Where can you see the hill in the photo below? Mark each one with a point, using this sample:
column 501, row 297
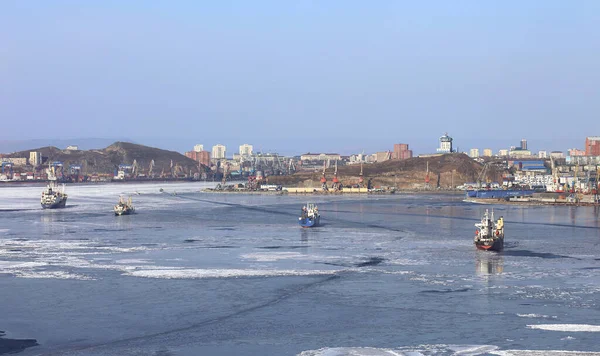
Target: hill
column 444, row 171
column 107, row 160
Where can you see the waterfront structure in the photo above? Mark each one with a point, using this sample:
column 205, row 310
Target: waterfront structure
column 218, row 151
column 35, row 158
column 198, row 148
column 445, row 144
column 474, row 152
column 401, row 151
column 592, row 146
column 542, row 154
column 246, row 150
column 487, row 152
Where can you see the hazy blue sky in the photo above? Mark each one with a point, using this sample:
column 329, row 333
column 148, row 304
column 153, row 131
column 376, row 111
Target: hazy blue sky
column 295, row 76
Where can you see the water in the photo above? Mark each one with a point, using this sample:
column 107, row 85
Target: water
column 207, row 274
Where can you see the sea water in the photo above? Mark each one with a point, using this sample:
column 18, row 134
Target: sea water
column 194, row 273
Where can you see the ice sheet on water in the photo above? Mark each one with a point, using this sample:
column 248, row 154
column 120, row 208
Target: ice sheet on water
column 194, row 273
column 543, row 353
column 566, row 327
column 536, row 316
column 421, row 350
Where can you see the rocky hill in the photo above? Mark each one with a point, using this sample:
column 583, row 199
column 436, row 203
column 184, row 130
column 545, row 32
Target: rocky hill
column 106, row 160
column 444, row 171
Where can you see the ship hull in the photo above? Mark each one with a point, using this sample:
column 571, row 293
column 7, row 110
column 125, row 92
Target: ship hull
column 496, row 245
column 309, row 222
column 119, row 212
column 56, row 205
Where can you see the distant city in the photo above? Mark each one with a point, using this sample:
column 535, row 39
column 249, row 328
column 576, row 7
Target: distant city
column 215, row 162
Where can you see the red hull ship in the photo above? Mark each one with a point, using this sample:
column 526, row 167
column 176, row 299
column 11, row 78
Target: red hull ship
column 489, row 235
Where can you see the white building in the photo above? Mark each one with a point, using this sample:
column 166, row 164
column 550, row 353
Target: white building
column 218, row 151
column 72, row 148
column 320, row 157
column 503, row 153
column 557, row 154
column 474, row 153
column 198, row 148
column 487, row 152
column 542, row 154
column 445, row 144
column 246, row 150
column 35, row 158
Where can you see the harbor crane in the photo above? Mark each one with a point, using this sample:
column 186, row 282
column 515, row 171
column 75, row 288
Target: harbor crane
column 323, row 179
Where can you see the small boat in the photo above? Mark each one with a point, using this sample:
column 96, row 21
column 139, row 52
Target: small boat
column 309, row 216
column 489, row 234
column 53, row 197
column 124, row 207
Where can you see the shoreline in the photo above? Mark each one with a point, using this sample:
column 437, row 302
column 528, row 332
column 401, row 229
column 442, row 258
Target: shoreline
column 491, row 201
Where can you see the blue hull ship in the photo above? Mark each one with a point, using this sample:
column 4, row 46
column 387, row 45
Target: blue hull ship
column 309, row 216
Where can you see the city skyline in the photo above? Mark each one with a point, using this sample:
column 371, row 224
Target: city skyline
column 156, row 72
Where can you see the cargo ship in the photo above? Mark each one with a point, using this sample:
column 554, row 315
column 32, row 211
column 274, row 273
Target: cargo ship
column 489, row 235
column 124, row 207
column 53, row 197
column 309, row 217
column 499, row 193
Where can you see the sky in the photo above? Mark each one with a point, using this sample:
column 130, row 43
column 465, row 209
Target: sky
column 296, row 76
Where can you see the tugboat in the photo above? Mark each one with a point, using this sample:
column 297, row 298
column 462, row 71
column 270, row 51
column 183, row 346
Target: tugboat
column 489, row 234
column 124, row 207
column 309, row 216
column 53, row 198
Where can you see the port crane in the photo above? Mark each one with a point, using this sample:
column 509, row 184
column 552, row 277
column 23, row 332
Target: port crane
column 323, row 179
column 7, row 166
column 336, row 182
column 150, row 169
column 361, row 179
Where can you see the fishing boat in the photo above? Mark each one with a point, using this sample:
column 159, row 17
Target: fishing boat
column 489, row 234
column 309, row 217
column 124, row 207
column 53, row 197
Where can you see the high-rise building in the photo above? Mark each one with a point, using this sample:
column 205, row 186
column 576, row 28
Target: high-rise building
column 503, row 153
column 523, row 144
column 246, row 150
column 199, row 156
column 592, row 146
column 474, row 152
column 35, row 158
column 487, row 152
column 542, row 154
column 401, row 151
column 445, row 144
column 198, row 148
column 218, row 151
